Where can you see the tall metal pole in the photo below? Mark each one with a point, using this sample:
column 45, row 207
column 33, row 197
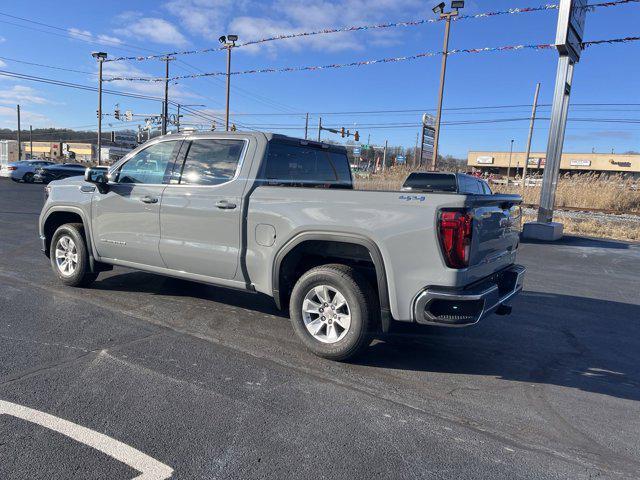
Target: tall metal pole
column 31, row 141
column 528, row 149
column 306, row 127
column 226, row 118
column 19, row 135
column 421, row 145
column 165, row 106
column 415, row 151
column 319, row 128
column 100, row 56
column 559, row 111
column 509, row 167
column 178, row 120
column 384, row 156
column 443, row 71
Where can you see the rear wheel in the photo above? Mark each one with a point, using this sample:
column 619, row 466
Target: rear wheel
column 28, row 177
column 70, row 257
column 331, row 309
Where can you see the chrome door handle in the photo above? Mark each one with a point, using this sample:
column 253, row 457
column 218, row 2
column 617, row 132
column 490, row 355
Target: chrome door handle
column 149, row 199
column 225, row 205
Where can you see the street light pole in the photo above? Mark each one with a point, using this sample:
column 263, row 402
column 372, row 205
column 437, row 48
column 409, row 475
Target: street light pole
column 100, row 56
column 447, row 17
column 165, row 106
column 19, row 135
column 228, row 42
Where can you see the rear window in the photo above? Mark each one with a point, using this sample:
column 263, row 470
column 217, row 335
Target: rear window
column 431, row 182
column 305, row 166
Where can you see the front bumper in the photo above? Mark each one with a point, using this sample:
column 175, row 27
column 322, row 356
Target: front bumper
column 448, row 307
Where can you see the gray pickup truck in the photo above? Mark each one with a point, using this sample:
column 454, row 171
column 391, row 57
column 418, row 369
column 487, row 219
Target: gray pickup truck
column 276, row 215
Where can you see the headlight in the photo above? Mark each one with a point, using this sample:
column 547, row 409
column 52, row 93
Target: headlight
column 47, row 191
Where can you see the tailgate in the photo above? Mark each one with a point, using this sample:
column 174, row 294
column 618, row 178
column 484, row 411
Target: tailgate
column 496, row 230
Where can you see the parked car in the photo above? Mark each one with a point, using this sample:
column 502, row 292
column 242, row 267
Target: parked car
column 24, row 170
column 446, row 182
column 276, row 215
column 58, row 171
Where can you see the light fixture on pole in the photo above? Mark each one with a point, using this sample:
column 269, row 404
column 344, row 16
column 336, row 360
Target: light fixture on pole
column 177, row 122
column 228, row 42
column 447, row 16
column 100, row 57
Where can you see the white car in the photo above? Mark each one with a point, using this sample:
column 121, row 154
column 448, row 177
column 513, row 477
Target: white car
column 23, row 170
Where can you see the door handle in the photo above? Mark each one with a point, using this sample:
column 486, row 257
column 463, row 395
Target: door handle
column 225, row 205
column 149, row 199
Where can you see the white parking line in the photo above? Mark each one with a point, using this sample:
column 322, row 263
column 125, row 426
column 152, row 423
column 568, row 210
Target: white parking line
column 149, row 468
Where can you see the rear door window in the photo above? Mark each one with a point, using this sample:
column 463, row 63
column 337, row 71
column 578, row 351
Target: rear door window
column 211, row 162
column 304, row 166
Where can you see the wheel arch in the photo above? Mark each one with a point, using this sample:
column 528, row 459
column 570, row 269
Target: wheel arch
column 56, row 217
column 298, row 242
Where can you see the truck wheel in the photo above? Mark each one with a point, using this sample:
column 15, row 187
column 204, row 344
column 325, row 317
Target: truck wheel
column 331, row 310
column 69, row 256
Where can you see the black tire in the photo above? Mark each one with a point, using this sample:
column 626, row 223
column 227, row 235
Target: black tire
column 28, row 177
column 361, row 300
column 81, row 276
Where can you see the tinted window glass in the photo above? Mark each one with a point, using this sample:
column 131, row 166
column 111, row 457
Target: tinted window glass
column 211, row 162
column 431, row 182
column 304, row 166
column 470, row 185
column 149, row 165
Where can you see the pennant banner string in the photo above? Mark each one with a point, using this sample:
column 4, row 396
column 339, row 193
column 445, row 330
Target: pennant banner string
column 544, row 46
column 410, row 23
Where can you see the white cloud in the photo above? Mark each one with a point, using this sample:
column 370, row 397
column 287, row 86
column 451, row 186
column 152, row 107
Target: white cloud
column 252, row 21
column 156, row 89
column 8, row 118
column 86, row 35
column 2, row 39
column 2, row 64
column 156, row 30
column 20, row 94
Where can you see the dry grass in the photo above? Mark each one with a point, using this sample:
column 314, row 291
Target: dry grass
column 596, row 228
column 585, row 191
column 616, row 193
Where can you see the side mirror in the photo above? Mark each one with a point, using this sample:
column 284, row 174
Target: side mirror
column 99, row 177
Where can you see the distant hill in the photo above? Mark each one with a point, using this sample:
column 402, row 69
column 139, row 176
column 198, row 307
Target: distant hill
column 56, row 135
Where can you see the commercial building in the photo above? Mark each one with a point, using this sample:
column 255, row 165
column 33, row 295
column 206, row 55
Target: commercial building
column 604, row 163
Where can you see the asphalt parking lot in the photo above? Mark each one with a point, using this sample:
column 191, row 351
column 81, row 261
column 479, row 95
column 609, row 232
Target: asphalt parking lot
column 148, row 377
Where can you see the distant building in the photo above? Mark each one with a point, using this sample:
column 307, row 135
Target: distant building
column 608, row 163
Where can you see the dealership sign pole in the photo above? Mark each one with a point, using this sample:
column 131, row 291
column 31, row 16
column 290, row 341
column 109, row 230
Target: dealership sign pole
column 571, row 19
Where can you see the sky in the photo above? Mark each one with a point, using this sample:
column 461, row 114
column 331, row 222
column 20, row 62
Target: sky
column 63, row 35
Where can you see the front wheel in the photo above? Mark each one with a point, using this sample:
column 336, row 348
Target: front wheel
column 332, row 308
column 70, row 257
column 28, row 177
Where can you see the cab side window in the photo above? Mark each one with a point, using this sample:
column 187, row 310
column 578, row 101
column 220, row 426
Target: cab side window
column 149, row 165
column 211, row 162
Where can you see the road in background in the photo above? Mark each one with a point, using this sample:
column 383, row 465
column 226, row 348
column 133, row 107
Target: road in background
column 213, row 383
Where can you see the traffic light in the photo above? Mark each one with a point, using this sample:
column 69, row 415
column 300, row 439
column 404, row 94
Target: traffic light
column 356, row 136
column 116, row 113
column 342, row 132
column 233, row 127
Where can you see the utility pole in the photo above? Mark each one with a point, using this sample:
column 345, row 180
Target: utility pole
column 509, row 167
column 384, row 155
column 439, row 9
column 528, row 149
column 178, row 120
column 165, row 105
column 415, row 151
column 228, row 42
column 31, row 141
column 19, row 135
column 319, row 127
column 306, row 126
column 100, row 57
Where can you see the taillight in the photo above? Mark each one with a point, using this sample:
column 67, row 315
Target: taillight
column 455, row 229
column 12, row 168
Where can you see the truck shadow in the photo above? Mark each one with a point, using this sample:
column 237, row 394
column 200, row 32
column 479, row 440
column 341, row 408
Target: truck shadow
column 587, row 344
column 142, row 282
column 574, row 241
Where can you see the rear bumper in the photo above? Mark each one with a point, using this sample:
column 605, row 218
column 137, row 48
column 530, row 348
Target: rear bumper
column 448, row 307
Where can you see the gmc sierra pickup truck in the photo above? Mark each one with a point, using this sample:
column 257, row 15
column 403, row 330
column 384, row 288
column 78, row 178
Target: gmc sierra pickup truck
column 276, row 215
